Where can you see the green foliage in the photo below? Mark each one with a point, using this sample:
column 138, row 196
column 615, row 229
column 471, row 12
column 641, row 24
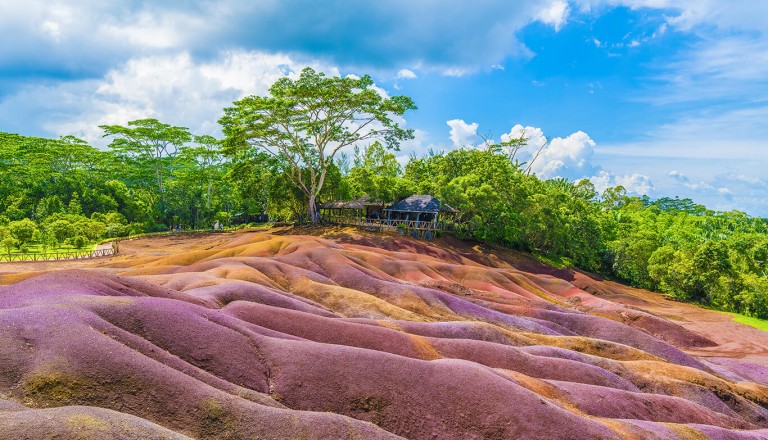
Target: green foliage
column 304, row 123
column 8, row 244
column 147, row 141
column 375, row 173
column 79, row 241
column 22, row 230
column 61, row 230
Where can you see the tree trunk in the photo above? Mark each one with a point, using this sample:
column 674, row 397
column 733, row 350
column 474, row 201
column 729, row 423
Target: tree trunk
column 312, row 214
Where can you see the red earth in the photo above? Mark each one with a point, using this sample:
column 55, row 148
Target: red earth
column 336, row 333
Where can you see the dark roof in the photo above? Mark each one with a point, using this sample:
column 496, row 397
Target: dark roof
column 420, row 203
column 360, row 203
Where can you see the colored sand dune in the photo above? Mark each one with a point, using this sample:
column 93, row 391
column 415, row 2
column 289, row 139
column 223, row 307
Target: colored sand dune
column 264, row 335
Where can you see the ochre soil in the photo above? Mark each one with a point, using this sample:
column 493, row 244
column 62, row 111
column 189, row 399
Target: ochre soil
column 338, row 333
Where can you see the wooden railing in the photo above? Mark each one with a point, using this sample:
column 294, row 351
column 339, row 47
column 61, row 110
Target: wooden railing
column 55, row 256
column 408, row 225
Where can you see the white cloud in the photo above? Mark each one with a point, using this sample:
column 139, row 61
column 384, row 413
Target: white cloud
column 566, row 157
column 175, row 89
column 456, row 72
column 554, row 14
column 534, row 135
column 52, row 29
column 406, row 74
column 677, row 175
column 726, row 68
column 571, row 157
column 463, row 134
column 456, row 40
column 637, row 184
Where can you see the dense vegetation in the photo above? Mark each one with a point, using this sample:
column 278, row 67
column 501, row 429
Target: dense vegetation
column 154, row 176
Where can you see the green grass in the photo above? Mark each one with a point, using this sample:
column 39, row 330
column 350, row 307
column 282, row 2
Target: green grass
column 760, row 324
column 37, row 249
column 558, row 262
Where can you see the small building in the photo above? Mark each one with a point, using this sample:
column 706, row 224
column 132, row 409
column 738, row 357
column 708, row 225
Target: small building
column 352, row 211
column 420, row 215
column 421, row 212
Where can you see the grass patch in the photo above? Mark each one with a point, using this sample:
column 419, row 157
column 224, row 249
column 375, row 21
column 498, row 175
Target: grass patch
column 760, row 324
column 38, row 249
column 555, row 261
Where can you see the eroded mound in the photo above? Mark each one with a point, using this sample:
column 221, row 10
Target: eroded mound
column 279, row 336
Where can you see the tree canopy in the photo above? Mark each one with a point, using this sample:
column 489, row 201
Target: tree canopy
column 304, row 123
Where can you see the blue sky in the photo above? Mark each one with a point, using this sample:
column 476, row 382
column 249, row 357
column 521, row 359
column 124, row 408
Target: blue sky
column 665, row 97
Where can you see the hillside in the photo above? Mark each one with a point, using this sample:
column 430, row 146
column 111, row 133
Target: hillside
column 345, row 334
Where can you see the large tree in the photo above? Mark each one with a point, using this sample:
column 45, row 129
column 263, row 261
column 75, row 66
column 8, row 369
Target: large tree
column 149, row 141
column 305, row 122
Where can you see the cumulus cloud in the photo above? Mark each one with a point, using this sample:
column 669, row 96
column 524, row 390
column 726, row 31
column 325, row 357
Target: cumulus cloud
column 686, row 182
column 565, row 157
column 571, row 157
column 461, row 38
column 677, row 175
column 716, row 186
column 406, row 74
column 534, row 136
column 175, row 89
column 568, row 157
column 635, row 183
column 463, row 134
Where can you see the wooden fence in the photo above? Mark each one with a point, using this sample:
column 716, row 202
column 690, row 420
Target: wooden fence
column 55, row 256
column 407, row 225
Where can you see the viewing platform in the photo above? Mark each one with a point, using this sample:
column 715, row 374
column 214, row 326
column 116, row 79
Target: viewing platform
column 418, row 215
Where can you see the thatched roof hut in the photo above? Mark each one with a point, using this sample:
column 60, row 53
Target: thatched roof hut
column 422, row 203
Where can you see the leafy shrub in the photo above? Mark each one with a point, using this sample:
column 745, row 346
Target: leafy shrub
column 62, row 230
column 79, row 241
column 23, row 230
column 114, row 230
column 159, row 227
column 8, row 244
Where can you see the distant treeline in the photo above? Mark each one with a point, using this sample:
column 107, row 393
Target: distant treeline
column 155, row 176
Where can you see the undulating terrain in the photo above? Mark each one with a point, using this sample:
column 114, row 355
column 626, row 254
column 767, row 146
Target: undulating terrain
column 344, row 334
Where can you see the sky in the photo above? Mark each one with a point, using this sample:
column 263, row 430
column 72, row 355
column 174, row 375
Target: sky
column 664, row 97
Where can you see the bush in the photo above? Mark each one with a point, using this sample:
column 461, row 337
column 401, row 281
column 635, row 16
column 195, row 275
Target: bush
column 62, row 230
column 159, row 227
column 23, row 230
column 8, row 244
column 93, row 230
column 79, row 241
column 115, row 230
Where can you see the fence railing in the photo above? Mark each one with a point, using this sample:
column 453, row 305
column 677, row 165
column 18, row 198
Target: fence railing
column 55, row 256
column 408, row 225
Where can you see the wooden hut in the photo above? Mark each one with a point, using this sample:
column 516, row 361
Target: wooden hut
column 352, row 211
column 419, row 212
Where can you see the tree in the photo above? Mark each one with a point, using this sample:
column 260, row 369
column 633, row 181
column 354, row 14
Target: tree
column 375, row 172
column 305, row 122
column 62, row 230
column 148, row 140
column 9, row 244
column 23, row 230
column 74, row 207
